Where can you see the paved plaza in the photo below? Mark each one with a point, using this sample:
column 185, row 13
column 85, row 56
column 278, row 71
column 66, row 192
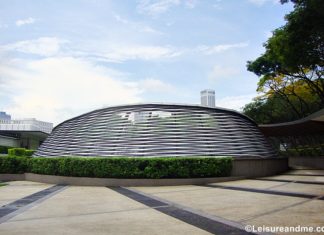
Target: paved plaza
column 291, row 199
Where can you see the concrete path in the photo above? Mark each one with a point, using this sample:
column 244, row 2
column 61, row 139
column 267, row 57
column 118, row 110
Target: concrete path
column 19, row 189
column 220, row 208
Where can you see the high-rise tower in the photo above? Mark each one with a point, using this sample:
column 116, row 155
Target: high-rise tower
column 207, row 98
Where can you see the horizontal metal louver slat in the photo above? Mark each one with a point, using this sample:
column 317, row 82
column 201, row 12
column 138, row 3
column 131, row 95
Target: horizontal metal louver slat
column 157, row 130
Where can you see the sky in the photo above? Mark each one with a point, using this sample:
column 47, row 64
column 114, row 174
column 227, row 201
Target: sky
column 59, row 59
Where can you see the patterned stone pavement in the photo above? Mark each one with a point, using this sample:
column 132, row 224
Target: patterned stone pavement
column 291, row 199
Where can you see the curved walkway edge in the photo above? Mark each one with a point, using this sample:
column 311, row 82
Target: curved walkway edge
column 86, row 181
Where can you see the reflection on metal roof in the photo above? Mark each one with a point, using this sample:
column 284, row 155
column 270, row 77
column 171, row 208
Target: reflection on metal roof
column 157, row 130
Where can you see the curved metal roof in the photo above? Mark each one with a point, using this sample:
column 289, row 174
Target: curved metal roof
column 156, row 129
column 312, row 124
column 162, row 104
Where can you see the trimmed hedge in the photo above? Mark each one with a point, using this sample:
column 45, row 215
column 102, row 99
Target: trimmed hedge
column 17, row 152
column 13, row 165
column 310, row 151
column 21, row 152
column 29, row 152
column 120, row 167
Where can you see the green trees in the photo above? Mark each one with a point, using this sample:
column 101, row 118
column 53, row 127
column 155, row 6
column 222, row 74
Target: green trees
column 291, row 102
column 291, row 69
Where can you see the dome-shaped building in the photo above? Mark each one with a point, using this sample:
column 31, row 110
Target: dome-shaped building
column 157, row 130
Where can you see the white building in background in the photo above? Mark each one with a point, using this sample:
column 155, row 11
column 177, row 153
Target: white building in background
column 26, row 133
column 207, row 98
column 27, row 124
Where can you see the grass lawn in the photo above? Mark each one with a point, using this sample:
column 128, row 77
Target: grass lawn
column 2, row 184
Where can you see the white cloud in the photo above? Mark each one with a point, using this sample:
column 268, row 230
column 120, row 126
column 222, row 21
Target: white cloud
column 258, row 2
column 120, row 19
column 262, row 2
column 148, row 29
column 157, row 7
column 111, row 52
column 234, row 102
column 55, row 89
column 208, row 50
column 119, row 53
column 154, row 8
column 138, row 26
column 220, row 72
column 45, row 46
column 22, row 22
column 155, row 85
column 132, row 52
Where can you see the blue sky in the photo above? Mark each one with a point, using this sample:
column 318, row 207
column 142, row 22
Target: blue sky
column 59, row 59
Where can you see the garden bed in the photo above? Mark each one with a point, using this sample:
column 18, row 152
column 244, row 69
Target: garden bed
column 130, row 168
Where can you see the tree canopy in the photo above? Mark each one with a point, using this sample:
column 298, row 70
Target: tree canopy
column 282, row 106
column 294, row 59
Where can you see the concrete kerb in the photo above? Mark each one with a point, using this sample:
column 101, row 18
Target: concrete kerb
column 259, row 167
column 12, row 177
column 307, row 161
column 112, row 182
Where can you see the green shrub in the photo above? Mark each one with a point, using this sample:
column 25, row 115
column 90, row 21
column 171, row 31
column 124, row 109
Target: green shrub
column 13, row 165
column 120, row 167
column 303, row 151
column 17, row 152
column 22, row 152
column 45, row 166
column 29, row 152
